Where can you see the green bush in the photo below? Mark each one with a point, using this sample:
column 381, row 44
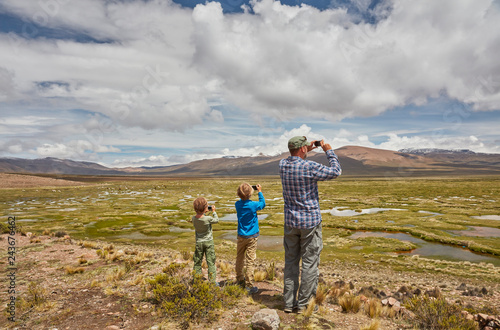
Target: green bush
column 438, row 314
column 186, row 300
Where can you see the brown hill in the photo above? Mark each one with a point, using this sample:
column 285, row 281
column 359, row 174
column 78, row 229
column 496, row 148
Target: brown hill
column 355, row 161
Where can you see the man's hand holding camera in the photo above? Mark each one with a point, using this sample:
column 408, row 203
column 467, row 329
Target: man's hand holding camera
column 322, row 144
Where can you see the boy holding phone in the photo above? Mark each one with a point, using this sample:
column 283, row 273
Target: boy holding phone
column 248, row 233
column 204, row 238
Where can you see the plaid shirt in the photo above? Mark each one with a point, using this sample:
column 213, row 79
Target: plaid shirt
column 299, row 178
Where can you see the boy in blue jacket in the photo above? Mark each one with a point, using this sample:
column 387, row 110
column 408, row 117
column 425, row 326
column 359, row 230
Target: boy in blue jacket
column 248, row 233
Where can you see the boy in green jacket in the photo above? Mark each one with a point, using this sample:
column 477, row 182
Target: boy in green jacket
column 204, row 238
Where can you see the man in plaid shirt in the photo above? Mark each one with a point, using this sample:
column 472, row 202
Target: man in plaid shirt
column 303, row 237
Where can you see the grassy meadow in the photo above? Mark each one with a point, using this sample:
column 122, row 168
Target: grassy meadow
column 158, row 212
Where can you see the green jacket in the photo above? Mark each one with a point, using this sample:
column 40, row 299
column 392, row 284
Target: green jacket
column 203, row 227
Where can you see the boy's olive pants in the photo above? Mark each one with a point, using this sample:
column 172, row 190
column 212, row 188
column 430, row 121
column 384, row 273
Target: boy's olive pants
column 205, row 248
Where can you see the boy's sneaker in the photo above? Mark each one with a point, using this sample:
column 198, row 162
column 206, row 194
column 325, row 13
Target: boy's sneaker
column 252, row 290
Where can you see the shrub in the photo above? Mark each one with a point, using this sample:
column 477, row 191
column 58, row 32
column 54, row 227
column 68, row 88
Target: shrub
column 60, row 234
column 350, row 303
column 36, row 294
column 187, row 301
column 438, row 314
column 173, row 268
column 234, row 291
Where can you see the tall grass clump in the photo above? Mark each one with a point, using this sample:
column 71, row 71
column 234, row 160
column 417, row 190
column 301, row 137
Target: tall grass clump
column 271, row 271
column 374, row 308
column 321, row 294
column 350, row 303
column 374, row 325
column 259, row 275
column 438, row 314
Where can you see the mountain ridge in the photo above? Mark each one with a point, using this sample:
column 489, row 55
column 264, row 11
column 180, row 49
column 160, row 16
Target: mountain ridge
column 355, row 161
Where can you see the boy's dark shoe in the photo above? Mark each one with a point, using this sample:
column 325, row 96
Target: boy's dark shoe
column 252, row 290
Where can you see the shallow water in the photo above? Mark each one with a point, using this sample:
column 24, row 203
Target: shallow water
column 140, row 236
column 234, row 217
column 432, row 250
column 487, row 217
column 339, row 212
column 477, row 231
column 174, row 229
column 264, row 243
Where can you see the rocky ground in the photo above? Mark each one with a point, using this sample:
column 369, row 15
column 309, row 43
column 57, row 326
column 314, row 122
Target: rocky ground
column 61, row 283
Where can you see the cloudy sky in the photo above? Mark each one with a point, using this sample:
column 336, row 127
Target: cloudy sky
column 160, row 82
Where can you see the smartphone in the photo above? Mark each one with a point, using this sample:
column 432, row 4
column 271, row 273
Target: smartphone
column 210, row 207
column 254, row 187
column 317, row 143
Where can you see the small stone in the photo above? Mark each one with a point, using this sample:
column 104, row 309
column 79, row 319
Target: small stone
column 385, row 302
column 266, row 319
column 392, row 301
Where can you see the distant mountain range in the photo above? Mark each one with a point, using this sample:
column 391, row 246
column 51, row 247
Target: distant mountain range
column 355, row 161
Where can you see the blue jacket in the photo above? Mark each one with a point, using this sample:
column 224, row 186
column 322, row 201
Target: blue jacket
column 248, row 224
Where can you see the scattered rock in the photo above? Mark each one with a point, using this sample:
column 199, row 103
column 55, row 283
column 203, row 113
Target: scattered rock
column 266, row 319
column 435, row 293
column 392, row 301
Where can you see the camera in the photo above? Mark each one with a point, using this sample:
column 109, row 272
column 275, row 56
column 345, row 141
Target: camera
column 210, row 207
column 317, row 143
column 254, row 187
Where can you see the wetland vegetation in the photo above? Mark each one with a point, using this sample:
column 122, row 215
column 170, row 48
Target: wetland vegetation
column 441, row 210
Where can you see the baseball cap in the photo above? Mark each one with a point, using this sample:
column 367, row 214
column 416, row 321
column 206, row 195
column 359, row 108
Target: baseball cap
column 297, row 142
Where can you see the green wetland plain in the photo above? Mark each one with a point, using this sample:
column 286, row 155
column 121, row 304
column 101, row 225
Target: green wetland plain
column 448, row 219
column 377, row 232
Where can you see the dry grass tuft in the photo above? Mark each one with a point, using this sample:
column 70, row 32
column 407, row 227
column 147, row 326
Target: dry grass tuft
column 321, row 294
column 373, row 308
column 259, row 275
column 350, row 303
column 271, row 271
column 186, row 255
column 89, row 245
column 225, row 268
column 374, row 325
column 116, row 275
column 310, row 308
column 70, row 270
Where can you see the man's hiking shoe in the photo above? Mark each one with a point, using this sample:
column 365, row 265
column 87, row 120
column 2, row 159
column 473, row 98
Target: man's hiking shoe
column 303, row 309
column 288, row 310
column 252, row 290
